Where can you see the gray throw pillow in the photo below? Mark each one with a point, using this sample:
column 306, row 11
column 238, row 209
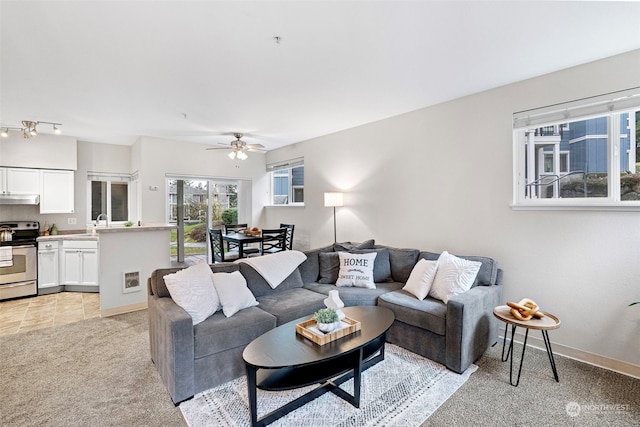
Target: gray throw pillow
column 381, row 265
column 348, row 246
column 329, row 267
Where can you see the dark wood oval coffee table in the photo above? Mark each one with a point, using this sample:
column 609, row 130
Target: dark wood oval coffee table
column 281, row 359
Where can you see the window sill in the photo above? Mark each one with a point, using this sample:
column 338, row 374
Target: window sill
column 630, row 207
column 297, row 205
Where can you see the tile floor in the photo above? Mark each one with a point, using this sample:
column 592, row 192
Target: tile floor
column 45, row 311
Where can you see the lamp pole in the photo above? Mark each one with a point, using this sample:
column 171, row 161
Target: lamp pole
column 335, row 238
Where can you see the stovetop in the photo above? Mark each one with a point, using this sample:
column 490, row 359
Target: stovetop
column 24, row 232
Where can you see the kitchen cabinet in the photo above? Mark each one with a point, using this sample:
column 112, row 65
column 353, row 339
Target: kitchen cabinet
column 79, row 265
column 56, row 191
column 22, row 181
column 48, row 265
column 3, row 180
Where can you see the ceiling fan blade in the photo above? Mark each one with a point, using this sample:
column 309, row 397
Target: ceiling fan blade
column 218, row 148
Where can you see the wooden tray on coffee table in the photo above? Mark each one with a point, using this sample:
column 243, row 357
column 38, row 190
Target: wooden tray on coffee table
column 302, row 328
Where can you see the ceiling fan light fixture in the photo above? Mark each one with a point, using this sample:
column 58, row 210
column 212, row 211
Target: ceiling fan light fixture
column 4, row 133
column 232, row 155
column 242, row 155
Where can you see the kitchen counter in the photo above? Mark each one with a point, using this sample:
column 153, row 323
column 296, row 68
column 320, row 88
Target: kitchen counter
column 94, row 233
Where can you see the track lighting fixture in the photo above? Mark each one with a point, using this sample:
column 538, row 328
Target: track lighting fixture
column 29, row 129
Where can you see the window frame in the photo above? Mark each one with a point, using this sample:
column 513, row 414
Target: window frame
column 109, row 179
column 610, row 106
column 288, row 165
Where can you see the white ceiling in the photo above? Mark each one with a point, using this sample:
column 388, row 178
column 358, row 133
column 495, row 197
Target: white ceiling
column 111, row 71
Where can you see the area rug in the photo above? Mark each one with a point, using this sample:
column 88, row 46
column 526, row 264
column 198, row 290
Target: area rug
column 402, row 390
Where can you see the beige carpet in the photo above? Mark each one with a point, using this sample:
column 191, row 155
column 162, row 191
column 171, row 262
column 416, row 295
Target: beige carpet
column 91, row 373
column 98, row 373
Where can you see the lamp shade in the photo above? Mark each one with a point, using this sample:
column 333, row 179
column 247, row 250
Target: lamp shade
column 333, row 199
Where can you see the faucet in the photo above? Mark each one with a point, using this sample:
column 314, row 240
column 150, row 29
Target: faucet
column 105, row 218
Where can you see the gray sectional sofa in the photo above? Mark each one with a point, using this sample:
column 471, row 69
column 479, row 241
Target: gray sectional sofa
column 191, row 359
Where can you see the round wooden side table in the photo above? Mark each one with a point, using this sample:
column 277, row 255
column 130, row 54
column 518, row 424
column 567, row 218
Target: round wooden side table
column 549, row 321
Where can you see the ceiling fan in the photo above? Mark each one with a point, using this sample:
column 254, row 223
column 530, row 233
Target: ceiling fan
column 239, row 148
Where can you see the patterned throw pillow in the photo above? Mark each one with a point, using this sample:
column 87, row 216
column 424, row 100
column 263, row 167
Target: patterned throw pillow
column 454, row 276
column 193, row 290
column 356, row 270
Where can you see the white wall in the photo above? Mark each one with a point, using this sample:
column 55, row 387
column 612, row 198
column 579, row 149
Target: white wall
column 441, row 179
column 158, row 157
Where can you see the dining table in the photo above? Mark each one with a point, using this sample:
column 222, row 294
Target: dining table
column 242, row 239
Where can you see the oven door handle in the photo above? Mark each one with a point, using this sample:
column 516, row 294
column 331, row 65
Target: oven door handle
column 22, row 246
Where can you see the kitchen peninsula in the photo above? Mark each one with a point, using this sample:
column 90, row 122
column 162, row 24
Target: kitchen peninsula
column 126, row 257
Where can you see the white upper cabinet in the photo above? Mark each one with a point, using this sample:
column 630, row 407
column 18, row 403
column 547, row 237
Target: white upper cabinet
column 23, row 181
column 56, row 191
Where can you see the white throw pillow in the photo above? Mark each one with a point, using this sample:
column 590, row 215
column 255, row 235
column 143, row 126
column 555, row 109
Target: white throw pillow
column 233, row 291
column 454, row 276
column 356, row 270
column 192, row 289
column 421, row 278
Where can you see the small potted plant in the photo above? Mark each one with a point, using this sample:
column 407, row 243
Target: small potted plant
column 327, row 319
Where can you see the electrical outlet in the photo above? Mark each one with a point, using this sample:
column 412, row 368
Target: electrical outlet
column 71, row 221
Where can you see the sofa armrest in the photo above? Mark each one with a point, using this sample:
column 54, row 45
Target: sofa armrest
column 471, row 326
column 171, row 340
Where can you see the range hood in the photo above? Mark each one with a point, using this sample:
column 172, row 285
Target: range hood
column 19, row 199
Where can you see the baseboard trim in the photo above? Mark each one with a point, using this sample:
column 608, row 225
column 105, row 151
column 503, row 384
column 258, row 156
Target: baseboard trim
column 124, row 309
column 598, row 360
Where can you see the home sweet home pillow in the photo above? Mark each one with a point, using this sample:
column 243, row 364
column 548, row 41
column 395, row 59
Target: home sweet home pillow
column 356, row 270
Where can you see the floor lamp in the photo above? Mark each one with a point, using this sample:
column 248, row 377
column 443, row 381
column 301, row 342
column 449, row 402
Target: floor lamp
column 331, row 200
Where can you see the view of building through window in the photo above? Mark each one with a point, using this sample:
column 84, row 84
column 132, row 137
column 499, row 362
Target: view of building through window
column 288, row 185
column 573, row 160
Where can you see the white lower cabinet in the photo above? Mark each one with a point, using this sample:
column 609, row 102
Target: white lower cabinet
column 48, row 262
column 79, row 265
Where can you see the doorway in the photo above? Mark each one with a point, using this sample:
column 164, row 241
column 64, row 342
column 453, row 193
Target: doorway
column 194, row 206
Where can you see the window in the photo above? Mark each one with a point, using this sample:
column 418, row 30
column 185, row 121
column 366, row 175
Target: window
column 579, row 154
column 108, row 194
column 287, row 182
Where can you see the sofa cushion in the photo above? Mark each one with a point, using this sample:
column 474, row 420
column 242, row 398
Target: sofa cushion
column 488, row 273
column 329, row 267
column 429, row 314
column 192, row 289
column 310, row 268
column 381, row 265
column 219, row 333
column 402, row 262
column 352, row 296
column 159, row 288
column 292, row 304
column 356, row 270
column 233, row 292
column 260, row 287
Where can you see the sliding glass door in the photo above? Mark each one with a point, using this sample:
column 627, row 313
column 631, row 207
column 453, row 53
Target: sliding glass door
column 195, row 205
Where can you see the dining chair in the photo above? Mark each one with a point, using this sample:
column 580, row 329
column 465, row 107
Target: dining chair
column 217, row 247
column 231, row 246
column 273, row 240
column 289, row 240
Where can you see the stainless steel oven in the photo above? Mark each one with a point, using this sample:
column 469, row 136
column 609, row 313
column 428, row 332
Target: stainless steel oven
column 18, row 260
